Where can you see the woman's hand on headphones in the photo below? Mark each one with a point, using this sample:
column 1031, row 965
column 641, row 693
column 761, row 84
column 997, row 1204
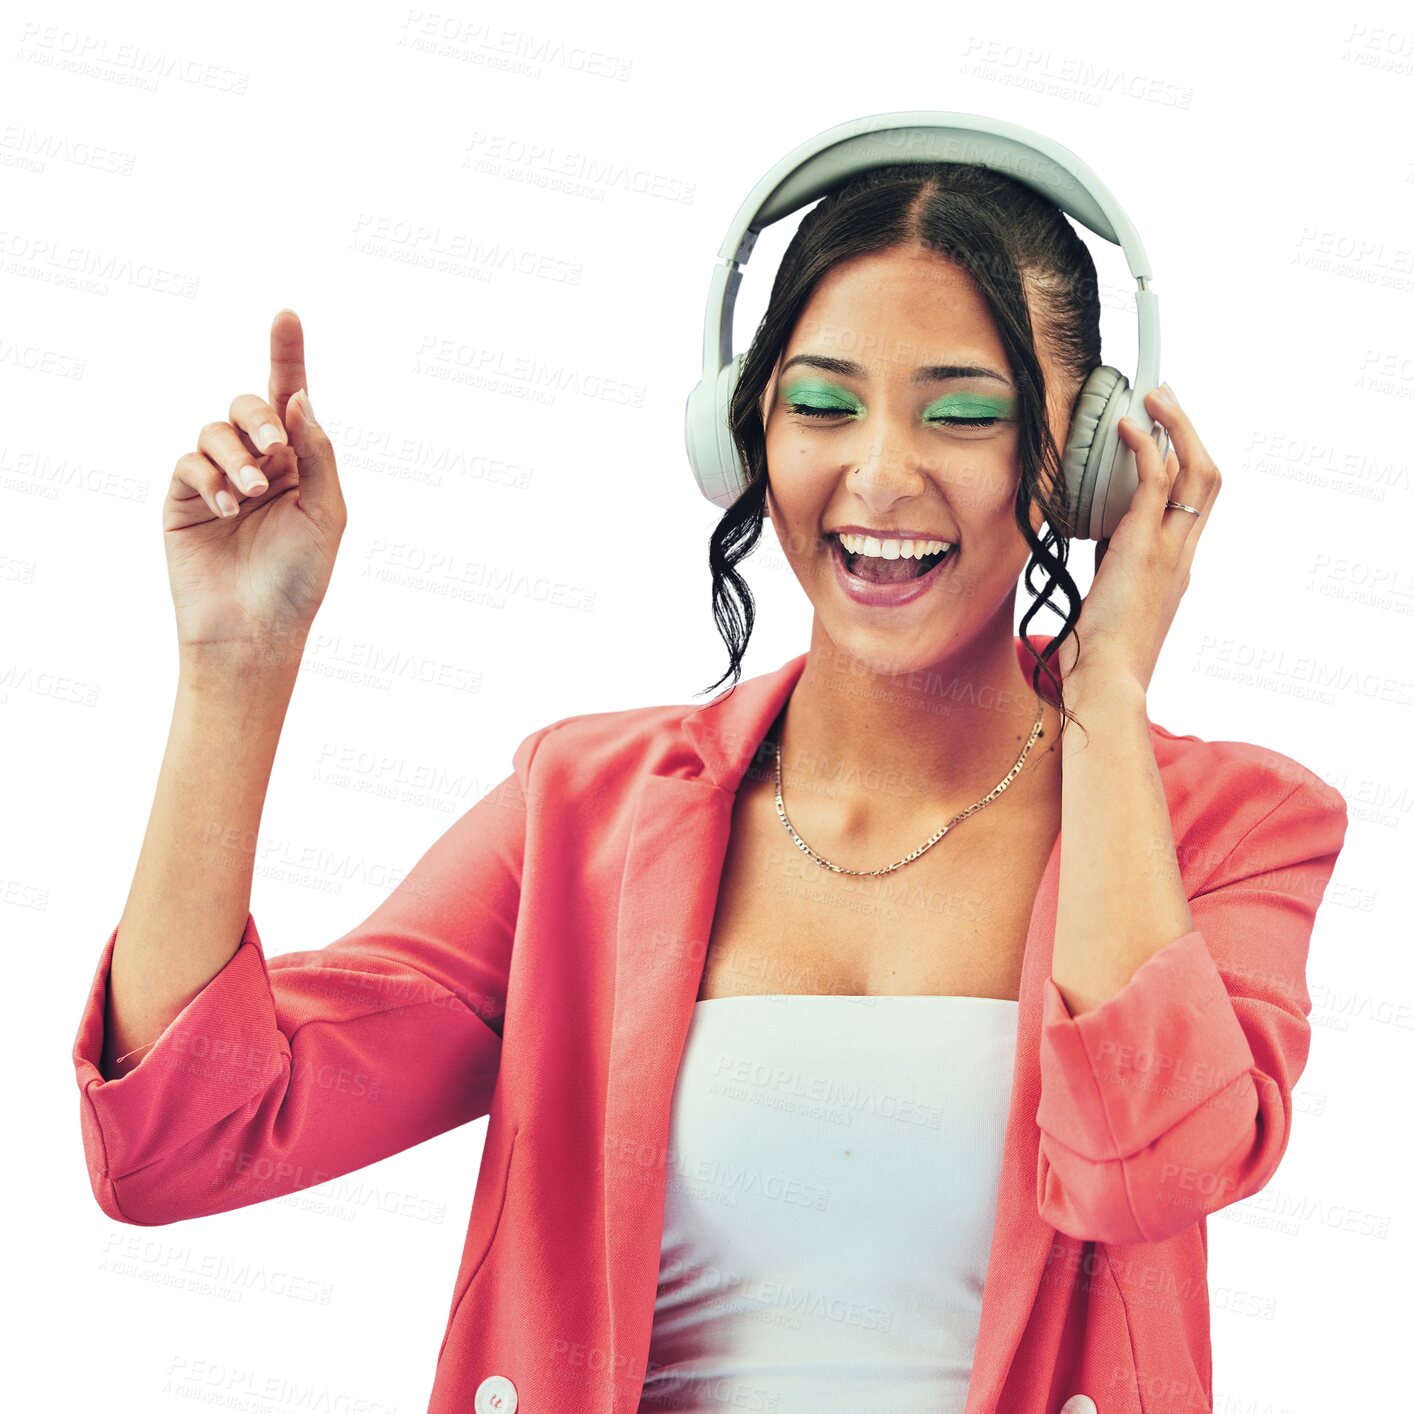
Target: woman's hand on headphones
column 1142, row 571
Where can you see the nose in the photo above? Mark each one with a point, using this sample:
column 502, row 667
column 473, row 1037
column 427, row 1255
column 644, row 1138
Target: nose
column 888, row 469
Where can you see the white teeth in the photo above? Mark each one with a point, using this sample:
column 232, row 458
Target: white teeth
column 893, row 549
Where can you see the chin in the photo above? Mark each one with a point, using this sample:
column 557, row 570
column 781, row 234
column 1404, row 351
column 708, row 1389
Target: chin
column 882, row 652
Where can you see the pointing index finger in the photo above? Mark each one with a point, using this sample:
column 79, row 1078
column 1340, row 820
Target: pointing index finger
column 287, row 375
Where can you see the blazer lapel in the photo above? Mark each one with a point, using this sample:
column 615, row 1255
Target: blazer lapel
column 1021, row 1238
column 672, row 872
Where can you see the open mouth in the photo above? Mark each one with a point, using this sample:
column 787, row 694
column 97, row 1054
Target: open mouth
column 874, row 569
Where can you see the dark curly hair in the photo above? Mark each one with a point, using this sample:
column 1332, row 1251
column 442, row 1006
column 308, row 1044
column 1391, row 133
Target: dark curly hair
column 1034, row 272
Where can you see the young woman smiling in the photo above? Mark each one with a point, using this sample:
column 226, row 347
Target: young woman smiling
column 859, row 1039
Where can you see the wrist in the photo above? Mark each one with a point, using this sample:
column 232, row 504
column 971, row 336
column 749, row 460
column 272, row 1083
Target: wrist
column 278, row 655
column 219, row 669
column 1098, row 685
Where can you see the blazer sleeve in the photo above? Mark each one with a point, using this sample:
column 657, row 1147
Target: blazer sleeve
column 1172, row 1098
column 285, row 1072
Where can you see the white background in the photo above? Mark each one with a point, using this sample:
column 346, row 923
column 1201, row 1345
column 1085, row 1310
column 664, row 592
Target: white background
column 172, row 177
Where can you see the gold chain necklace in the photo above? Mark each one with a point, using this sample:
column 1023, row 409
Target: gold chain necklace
column 922, row 849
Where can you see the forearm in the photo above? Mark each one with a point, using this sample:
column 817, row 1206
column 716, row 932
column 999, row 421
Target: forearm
column 190, row 895
column 1121, row 897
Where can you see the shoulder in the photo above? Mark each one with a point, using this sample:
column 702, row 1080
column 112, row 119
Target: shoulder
column 596, row 749
column 1220, row 793
column 1191, row 762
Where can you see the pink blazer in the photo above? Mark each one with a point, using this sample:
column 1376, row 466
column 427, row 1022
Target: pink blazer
column 540, row 965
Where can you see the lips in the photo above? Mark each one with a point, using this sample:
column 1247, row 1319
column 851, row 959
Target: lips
column 901, row 568
column 886, row 593
column 895, row 571
column 890, row 534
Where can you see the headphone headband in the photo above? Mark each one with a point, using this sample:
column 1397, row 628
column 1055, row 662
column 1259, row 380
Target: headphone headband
column 830, row 159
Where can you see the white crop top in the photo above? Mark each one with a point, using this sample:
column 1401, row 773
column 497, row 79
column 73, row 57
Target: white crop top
column 832, row 1181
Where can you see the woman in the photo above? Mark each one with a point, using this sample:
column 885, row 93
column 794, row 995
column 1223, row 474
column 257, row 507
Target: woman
column 797, row 1100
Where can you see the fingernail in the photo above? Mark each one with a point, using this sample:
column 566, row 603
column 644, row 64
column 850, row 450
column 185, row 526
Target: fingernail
column 226, row 503
column 252, row 482
column 1167, row 393
column 303, row 396
column 266, row 436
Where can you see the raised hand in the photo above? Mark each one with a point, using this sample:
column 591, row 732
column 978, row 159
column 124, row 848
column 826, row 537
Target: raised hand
column 1142, row 572
column 253, row 517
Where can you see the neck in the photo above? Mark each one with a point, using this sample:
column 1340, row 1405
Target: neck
column 870, row 757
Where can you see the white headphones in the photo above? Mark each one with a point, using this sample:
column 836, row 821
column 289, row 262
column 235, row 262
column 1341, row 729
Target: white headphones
column 1099, row 468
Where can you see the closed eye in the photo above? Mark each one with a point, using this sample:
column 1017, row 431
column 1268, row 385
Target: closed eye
column 813, row 410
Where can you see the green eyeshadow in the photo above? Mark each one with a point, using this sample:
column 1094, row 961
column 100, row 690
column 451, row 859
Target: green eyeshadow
column 814, row 393
column 970, row 405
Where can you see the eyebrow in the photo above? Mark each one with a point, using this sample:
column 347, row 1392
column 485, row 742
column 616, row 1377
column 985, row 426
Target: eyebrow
column 934, row 373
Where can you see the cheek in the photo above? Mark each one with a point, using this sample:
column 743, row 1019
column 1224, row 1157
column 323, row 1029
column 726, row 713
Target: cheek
column 795, row 489
column 790, row 519
column 787, row 512
column 773, row 514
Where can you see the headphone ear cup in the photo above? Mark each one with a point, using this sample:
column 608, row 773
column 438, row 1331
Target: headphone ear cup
column 726, row 390
column 730, row 474
column 711, row 452
column 1102, row 401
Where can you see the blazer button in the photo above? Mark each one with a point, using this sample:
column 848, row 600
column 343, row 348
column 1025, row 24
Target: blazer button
column 497, row 1395
column 1078, row 1404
